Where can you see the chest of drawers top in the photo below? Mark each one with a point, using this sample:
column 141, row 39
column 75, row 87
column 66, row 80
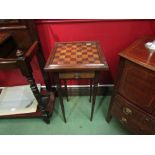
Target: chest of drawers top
column 139, row 54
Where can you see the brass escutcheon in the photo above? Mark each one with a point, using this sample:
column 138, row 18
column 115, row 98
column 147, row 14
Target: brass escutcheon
column 77, row 75
column 123, row 120
column 127, row 111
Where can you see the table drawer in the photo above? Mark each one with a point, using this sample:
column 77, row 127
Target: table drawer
column 82, row 75
column 134, row 119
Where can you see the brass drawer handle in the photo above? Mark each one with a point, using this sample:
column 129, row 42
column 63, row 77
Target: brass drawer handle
column 127, row 111
column 147, row 119
column 123, row 120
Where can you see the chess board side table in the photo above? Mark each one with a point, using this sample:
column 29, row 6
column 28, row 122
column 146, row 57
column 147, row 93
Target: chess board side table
column 76, row 60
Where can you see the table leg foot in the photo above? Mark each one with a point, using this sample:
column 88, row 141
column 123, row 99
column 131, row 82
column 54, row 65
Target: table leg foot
column 63, row 111
column 58, row 81
column 46, row 117
column 108, row 118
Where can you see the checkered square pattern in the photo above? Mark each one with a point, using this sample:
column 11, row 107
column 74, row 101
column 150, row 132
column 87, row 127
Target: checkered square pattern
column 76, row 53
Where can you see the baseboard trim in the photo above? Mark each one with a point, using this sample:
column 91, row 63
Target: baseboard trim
column 77, row 86
column 83, row 90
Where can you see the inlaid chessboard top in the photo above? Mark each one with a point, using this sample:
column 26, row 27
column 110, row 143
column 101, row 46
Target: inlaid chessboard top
column 83, row 54
column 3, row 36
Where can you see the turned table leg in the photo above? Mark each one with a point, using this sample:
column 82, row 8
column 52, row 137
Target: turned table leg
column 109, row 115
column 94, row 95
column 59, row 89
column 91, row 83
column 65, row 83
column 26, row 70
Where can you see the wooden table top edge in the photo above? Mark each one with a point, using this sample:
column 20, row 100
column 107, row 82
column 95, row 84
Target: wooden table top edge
column 102, row 66
column 69, row 42
column 84, row 67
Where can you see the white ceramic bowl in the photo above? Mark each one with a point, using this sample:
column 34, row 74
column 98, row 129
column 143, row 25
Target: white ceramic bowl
column 150, row 46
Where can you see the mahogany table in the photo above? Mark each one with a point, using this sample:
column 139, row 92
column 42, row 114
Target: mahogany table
column 76, row 60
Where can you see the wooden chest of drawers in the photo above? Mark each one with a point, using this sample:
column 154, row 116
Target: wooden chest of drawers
column 133, row 100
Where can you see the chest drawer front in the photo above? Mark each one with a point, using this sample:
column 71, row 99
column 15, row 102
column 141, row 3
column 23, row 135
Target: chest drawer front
column 137, row 84
column 82, row 75
column 134, row 119
column 122, row 106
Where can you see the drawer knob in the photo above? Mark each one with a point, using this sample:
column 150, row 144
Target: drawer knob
column 123, row 120
column 147, row 119
column 76, row 75
column 127, row 111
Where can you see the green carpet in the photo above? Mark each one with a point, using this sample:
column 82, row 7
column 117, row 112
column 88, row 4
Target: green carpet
column 78, row 120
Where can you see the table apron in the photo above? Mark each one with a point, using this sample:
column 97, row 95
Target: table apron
column 77, row 75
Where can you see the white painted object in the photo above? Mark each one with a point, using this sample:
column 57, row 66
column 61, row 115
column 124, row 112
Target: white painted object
column 17, row 100
column 150, row 46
